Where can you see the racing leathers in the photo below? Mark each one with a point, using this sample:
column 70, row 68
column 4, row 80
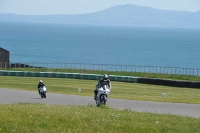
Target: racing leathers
column 40, row 84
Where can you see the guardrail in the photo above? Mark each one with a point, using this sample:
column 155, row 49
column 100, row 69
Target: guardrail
column 109, row 67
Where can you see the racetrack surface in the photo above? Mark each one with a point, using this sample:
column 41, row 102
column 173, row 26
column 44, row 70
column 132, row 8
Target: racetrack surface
column 12, row 96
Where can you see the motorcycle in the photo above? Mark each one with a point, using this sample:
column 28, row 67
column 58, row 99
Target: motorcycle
column 43, row 91
column 102, row 96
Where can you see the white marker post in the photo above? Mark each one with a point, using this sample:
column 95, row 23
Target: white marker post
column 163, row 95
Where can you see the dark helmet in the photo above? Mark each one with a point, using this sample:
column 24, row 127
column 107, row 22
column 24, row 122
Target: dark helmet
column 105, row 76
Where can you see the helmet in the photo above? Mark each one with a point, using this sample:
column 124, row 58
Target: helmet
column 105, row 76
column 40, row 81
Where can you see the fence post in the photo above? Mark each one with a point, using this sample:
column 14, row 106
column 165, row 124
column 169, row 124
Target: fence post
column 171, row 69
column 131, row 68
column 186, row 71
column 193, row 72
column 167, row 70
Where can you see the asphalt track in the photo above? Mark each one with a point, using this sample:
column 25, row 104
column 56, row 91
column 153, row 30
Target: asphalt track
column 12, row 96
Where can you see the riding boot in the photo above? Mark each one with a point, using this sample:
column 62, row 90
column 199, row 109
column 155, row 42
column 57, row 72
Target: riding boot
column 95, row 94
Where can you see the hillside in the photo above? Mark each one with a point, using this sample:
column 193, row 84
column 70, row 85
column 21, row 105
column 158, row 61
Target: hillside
column 123, row 15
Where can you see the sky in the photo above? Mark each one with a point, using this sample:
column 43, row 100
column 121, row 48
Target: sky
column 50, row 7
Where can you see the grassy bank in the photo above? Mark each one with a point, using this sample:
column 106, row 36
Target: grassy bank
column 137, row 74
column 122, row 90
column 38, row 118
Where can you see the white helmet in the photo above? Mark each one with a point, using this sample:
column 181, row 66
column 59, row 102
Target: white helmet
column 105, row 76
column 40, row 81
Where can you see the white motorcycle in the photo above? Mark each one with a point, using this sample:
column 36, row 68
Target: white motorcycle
column 102, row 96
column 43, row 91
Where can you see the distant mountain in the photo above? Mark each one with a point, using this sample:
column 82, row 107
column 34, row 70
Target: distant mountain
column 123, row 15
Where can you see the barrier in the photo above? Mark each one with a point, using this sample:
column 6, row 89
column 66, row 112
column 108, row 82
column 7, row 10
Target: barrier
column 164, row 82
column 67, row 75
column 173, row 83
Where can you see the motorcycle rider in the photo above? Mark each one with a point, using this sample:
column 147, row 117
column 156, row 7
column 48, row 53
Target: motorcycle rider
column 40, row 84
column 103, row 81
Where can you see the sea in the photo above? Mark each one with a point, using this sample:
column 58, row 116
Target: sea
column 95, row 44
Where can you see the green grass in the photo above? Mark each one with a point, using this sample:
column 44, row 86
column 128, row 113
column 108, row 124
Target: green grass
column 39, row 118
column 120, row 90
column 136, row 74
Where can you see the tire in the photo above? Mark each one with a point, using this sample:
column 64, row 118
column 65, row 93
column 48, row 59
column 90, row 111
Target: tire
column 103, row 99
column 98, row 102
column 44, row 95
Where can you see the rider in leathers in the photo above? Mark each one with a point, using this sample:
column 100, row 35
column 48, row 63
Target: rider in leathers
column 103, row 81
column 40, row 84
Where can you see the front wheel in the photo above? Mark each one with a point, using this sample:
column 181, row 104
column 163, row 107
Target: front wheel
column 41, row 94
column 44, row 95
column 104, row 99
